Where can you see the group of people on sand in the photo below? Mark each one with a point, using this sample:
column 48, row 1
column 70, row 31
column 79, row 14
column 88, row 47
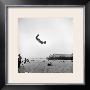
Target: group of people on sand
column 20, row 60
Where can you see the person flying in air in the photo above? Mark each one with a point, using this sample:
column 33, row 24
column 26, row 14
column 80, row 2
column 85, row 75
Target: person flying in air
column 42, row 42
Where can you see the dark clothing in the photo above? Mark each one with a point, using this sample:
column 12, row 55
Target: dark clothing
column 19, row 61
column 40, row 40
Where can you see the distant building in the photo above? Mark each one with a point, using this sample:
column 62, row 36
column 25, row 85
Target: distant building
column 63, row 55
column 60, row 57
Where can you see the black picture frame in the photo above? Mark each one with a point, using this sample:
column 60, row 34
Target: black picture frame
column 38, row 2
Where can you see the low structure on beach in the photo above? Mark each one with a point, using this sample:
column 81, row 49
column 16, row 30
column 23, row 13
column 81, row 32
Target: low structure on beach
column 60, row 57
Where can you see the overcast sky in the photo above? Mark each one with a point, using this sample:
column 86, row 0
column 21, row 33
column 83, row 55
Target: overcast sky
column 57, row 32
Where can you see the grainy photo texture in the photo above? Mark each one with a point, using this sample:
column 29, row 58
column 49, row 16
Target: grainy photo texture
column 45, row 45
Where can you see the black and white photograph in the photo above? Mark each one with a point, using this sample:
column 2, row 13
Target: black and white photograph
column 45, row 45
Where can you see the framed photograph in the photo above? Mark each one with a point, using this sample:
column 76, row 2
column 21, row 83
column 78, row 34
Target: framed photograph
column 44, row 45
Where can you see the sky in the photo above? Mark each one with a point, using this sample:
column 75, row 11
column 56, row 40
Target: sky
column 57, row 32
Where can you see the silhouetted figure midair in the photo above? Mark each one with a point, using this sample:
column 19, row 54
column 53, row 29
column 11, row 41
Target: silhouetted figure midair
column 42, row 42
column 19, row 60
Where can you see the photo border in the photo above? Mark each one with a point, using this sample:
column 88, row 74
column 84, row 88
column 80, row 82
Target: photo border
column 52, row 2
column 43, row 6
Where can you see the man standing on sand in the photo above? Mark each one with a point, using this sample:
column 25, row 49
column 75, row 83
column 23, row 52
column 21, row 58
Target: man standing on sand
column 19, row 61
